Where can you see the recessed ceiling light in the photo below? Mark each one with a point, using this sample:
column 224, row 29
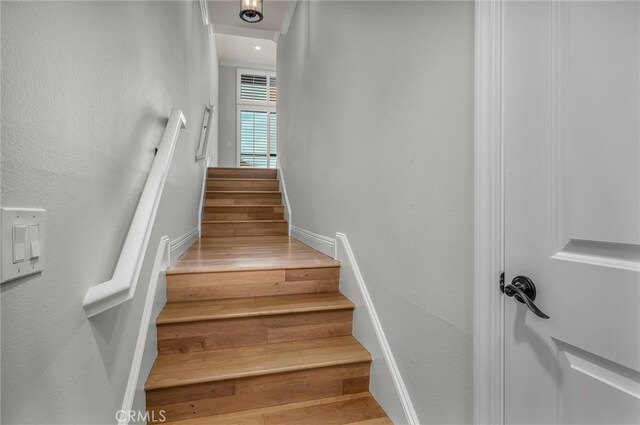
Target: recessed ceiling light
column 258, row 48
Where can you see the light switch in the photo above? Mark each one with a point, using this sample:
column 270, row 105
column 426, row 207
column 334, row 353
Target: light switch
column 34, row 241
column 18, row 243
column 22, row 242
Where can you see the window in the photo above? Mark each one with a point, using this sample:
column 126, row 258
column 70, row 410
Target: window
column 256, row 88
column 257, row 138
column 257, row 129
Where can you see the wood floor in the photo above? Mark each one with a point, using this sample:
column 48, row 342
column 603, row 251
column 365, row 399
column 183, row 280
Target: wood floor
column 255, row 331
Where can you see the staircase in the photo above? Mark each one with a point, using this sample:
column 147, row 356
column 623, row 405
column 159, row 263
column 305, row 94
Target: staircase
column 254, row 331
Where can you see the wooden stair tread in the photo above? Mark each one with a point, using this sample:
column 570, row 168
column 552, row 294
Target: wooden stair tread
column 245, row 192
column 351, row 409
column 240, row 179
column 174, row 370
column 242, row 206
column 241, row 221
column 223, row 254
column 190, row 311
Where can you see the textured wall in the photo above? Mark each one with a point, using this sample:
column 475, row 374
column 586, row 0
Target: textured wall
column 86, row 90
column 227, row 139
column 375, row 114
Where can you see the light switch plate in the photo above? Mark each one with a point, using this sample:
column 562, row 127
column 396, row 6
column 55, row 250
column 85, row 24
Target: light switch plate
column 28, row 217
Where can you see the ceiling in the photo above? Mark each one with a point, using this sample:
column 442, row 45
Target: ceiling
column 223, row 15
column 237, row 39
column 237, row 51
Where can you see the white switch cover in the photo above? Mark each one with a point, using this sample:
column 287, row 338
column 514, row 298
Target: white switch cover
column 34, row 241
column 18, row 241
column 23, row 248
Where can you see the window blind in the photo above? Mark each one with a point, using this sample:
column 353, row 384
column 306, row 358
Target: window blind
column 258, row 146
column 272, row 89
column 258, row 88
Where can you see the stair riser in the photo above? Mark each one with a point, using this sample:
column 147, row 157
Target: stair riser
column 233, row 395
column 244, row 229
column 229, row 333
column 238, row 185
column 223, row 285
column 243, row 213
column 242, row 173
column 220, row 199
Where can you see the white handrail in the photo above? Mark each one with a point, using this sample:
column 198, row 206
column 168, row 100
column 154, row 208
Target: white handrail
column 122, row 285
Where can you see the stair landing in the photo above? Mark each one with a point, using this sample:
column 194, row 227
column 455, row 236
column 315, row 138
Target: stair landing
column 249, row 253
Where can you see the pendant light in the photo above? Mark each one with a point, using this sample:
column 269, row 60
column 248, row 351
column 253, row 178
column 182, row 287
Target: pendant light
column 251, row 11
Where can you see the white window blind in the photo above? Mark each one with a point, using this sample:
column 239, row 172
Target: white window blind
column 273, row 92
column 253, row 87
column 258, row 145
column 256, row 87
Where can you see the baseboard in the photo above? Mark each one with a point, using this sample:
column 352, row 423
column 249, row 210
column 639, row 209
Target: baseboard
column 160, row 264
column 144, row 355
column 283, row 189
column 321, row 243
column 387, row 385
column 203, row 189
column 178, row 246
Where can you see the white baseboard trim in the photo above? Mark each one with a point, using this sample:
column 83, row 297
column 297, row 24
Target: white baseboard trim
column 283, row 189
column 178, row 246
column 203, row 189
column 388, row 358
column 159, row 265
column 321, row 243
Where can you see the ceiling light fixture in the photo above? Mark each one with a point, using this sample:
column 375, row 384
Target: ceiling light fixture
column 258, row 48
column 251, row 11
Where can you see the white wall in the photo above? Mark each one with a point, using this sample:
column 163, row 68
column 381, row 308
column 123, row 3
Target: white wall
column 86, row 90
column 375, row 114
column 228, row 142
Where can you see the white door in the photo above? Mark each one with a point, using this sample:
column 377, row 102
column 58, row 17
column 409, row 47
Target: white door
column 571, row 114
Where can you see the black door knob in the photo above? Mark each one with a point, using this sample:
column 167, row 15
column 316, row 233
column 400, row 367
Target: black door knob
column 523, row 290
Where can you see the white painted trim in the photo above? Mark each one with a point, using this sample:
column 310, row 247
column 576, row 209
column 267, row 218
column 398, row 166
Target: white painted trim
column 321, row 243
column 595, row 260
column 178, row 246
column 204, row 11
column 121, row 287
column 401, row 389
column 160, row 264
column 329, row 246
column 488, row 341
column 203, row 189
column 245, row 66
column 244, row 31
column 288, row 16
column 283, row 189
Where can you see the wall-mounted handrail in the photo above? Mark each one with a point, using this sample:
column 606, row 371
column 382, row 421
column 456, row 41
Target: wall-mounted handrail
column 203, row 144
column 121, row 287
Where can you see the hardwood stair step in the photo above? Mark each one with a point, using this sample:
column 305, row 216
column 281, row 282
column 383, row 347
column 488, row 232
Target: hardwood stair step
column 350, row 409
column 246, row 253
column 251, row 283
column 254, row 173
column 178, row 370
column 214, row 325
column 242, row 394
column 244, row 228
column 237, row 184
column 234, row 197
column 243, row 212
column 191, row 311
